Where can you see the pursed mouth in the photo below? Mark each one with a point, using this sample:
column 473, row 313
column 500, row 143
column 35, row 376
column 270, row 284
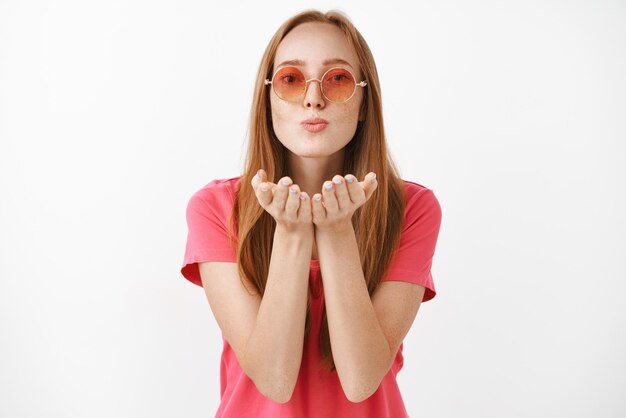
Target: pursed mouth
column 314, row 127
column 314, row 121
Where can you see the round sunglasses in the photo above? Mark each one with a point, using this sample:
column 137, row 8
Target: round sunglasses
column 338, row 84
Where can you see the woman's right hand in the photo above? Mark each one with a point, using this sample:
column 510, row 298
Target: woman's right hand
column 289, row 207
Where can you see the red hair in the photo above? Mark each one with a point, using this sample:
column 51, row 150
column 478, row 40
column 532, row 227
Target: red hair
column 377, row 229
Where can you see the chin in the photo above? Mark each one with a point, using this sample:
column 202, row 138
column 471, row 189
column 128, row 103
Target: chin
column 311, row 153
column 309, row 145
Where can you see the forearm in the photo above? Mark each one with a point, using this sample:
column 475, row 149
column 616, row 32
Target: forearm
column 360, row 349
column 274, row 349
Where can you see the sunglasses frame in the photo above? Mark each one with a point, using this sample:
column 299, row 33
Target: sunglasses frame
column 306, row 84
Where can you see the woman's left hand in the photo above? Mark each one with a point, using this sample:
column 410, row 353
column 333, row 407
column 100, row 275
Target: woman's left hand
column 333, row 208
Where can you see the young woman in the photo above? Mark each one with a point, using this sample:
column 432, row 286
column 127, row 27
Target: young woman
column 316, row 259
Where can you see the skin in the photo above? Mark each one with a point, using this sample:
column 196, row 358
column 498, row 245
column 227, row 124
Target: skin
column 267, row 332
column 315, row 160
column 363, row 349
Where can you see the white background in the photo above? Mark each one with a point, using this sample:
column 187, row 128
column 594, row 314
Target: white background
column 112, row 114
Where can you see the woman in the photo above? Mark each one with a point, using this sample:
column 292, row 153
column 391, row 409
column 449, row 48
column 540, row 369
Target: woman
column 315, row 260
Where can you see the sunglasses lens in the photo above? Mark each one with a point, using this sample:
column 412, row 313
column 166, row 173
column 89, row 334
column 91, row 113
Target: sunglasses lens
column 289, row 83
column 338, row 85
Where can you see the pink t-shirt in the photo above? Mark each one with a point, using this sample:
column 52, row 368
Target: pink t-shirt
column 317, row 393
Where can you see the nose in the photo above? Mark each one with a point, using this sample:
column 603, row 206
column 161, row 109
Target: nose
column 313, row 96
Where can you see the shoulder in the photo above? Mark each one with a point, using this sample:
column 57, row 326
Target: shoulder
column 420, row 202
column 415, row 192
column 218, row 188
column 216, row 196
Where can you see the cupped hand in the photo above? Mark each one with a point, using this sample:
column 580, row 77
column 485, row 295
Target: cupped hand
column 340, row 198
column 288, row 206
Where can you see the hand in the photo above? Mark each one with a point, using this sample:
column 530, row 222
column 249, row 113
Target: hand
column 289, row 207
column 340, row 199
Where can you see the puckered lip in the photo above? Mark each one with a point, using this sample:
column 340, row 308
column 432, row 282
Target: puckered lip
column 313, row 121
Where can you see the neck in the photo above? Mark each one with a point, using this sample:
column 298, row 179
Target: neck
column 310, row 173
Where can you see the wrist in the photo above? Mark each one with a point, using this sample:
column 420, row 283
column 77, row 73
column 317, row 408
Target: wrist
column 297, row 232
column 334, row 229
column 293, row 244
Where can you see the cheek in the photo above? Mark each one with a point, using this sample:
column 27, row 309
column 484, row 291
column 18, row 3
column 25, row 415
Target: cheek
column 348, row 115
column 350, row 110
column 278, row 113
column 283, row 122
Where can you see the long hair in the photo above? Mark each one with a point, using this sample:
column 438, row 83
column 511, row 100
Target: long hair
column 377, row 228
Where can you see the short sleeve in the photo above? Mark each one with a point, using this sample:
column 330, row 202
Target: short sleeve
column 412, row 260
column 208, row 213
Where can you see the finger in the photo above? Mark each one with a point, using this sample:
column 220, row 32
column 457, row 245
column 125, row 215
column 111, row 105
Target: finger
column 264, row 194
column 317, row 209
column 305, row 212
column 258, row 178
column 328, row 195
column 281, row 193
column 293, row 203
column 355, row 190
column 369, row 184
column 341, row 193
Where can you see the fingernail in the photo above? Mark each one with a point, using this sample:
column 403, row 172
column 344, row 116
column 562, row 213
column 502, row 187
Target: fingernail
column 317, row 198
column 338, row 181
column 328, row 186
column 374, row 178
column 284, row 182
column 349, row 179
column 264, row 189
column 302, row 197
column 293, row 190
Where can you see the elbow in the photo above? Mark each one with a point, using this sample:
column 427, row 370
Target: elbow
column 359, row 396
column 281, row 399
column 277, row 392
column 278, row 388
column 272, row 380
column 362, row 384
column 363, row 390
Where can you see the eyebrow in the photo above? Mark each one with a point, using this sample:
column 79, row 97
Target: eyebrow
column 326, row 62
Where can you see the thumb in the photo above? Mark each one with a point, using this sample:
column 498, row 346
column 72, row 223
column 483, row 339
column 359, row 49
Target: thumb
column 370, row 183
column 258, row 178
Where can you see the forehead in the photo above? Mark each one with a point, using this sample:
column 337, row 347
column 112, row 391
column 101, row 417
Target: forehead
column 314, row 43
